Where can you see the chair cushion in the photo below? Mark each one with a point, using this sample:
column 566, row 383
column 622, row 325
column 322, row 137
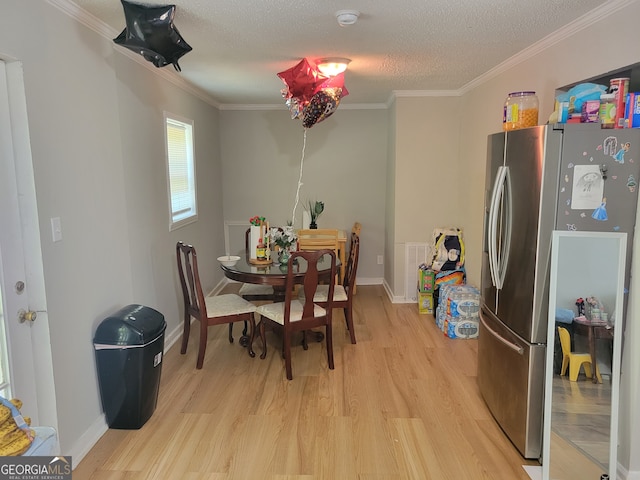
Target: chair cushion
column 275, row 311
column 339, row 294
column 228, row 304
column 254, row 289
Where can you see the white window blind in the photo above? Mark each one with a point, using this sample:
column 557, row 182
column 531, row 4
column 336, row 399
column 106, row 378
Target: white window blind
column 181, row 171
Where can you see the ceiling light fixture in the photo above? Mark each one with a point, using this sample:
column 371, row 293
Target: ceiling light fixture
column 347, row 17
column 332, row 66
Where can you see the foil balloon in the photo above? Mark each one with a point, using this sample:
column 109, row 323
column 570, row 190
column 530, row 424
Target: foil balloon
column 337, row 81
column 302, row 80
column 294, row 107
column 151, row 33
column 321, row 106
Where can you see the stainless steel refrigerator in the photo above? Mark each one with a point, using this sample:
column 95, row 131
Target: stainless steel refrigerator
column 564, row 177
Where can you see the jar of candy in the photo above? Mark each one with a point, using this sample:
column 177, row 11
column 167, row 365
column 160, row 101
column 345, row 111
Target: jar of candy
column 520, row 111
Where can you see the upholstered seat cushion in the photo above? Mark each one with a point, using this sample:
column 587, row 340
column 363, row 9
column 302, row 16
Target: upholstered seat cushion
column 339, row 294
column 228, row 304
column 275, row 311
column 254, row 289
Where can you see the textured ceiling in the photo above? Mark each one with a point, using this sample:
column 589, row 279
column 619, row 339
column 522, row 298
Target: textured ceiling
column 239, row 46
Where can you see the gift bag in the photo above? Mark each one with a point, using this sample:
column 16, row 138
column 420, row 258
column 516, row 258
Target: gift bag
column 448, row 249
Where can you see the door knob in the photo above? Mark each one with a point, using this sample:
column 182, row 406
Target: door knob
column 26, row 316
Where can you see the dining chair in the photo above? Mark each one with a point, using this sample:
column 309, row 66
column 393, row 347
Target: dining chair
column 319, row 239
column 357, row 228
column 342, row 294
column 295, row 315
column 575, row 360
column 211, row 310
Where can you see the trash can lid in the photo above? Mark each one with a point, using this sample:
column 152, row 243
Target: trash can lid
column 131, row 325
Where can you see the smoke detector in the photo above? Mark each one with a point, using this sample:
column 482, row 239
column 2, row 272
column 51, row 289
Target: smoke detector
column 347, row 17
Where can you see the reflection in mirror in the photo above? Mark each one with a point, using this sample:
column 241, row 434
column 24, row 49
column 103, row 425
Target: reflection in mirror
column 583, row 355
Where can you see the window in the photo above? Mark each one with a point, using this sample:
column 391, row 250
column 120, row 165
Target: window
column 181, row 171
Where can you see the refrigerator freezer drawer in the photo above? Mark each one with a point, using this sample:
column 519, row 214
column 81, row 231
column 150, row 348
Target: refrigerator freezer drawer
column 511, row 381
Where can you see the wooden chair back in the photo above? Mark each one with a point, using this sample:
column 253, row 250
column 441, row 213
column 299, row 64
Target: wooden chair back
column 310, row 283
column 349, row 281
column 194, row 304
column 318, row 239
column 357, row 227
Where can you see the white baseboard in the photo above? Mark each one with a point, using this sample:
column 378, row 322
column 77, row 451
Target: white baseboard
column 625, row 475
column 369, row 281
column 99, row 427
column 88, row 440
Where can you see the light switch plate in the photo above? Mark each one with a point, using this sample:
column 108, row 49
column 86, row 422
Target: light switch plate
column 56, row 229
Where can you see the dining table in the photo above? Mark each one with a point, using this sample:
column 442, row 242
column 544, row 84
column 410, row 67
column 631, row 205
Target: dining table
column 275, row 274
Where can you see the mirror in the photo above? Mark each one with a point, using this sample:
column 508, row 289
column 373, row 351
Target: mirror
column 585, row 298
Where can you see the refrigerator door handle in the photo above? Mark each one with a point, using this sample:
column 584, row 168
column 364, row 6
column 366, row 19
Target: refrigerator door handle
column 508, row 222
column 513, row 346
column 492, row 241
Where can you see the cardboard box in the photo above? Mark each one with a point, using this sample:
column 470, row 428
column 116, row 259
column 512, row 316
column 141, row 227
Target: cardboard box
column 632, row 110
column 590, row 111
column 425, row 303
column 426, row 280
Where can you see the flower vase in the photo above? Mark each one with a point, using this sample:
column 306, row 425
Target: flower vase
column 283, row 256
column 313, row 225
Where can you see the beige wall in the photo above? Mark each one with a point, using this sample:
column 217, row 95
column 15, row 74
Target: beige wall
column 97, row 141
column 345, row 165
column 390, row 274
column 427, row 175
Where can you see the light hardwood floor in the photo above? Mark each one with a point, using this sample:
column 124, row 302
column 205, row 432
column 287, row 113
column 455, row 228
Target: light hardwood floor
column 402, row 403
column 581, row 417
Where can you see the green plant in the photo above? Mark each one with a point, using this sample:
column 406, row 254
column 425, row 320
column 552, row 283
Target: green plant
column 315, row 209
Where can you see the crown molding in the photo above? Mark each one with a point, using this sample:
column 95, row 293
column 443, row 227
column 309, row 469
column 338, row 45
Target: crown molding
column 349, row 106
column 608, row 8
column 105, row 31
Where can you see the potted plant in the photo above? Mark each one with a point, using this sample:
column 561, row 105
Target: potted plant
column 285, row 238
column 315, row 209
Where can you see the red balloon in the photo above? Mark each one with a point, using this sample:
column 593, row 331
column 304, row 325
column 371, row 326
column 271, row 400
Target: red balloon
column 336, row 81
column 303, row 80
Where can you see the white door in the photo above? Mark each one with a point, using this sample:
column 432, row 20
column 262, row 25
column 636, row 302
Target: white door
column 19, row 375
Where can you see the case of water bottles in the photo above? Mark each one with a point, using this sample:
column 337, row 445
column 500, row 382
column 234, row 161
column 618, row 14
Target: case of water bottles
column 457, row 311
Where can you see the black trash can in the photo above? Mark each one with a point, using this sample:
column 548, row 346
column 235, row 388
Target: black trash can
column 129, row 346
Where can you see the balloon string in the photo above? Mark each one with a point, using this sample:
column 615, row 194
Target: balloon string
column 304, row 145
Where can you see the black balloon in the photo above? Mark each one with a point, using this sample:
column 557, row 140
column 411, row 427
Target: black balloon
column 151, row 33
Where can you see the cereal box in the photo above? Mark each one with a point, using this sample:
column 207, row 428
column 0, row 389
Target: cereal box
column 425, row 303
column 426, row 278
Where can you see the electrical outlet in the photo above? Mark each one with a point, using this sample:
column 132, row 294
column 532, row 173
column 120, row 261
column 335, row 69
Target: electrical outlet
column 380, row 260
